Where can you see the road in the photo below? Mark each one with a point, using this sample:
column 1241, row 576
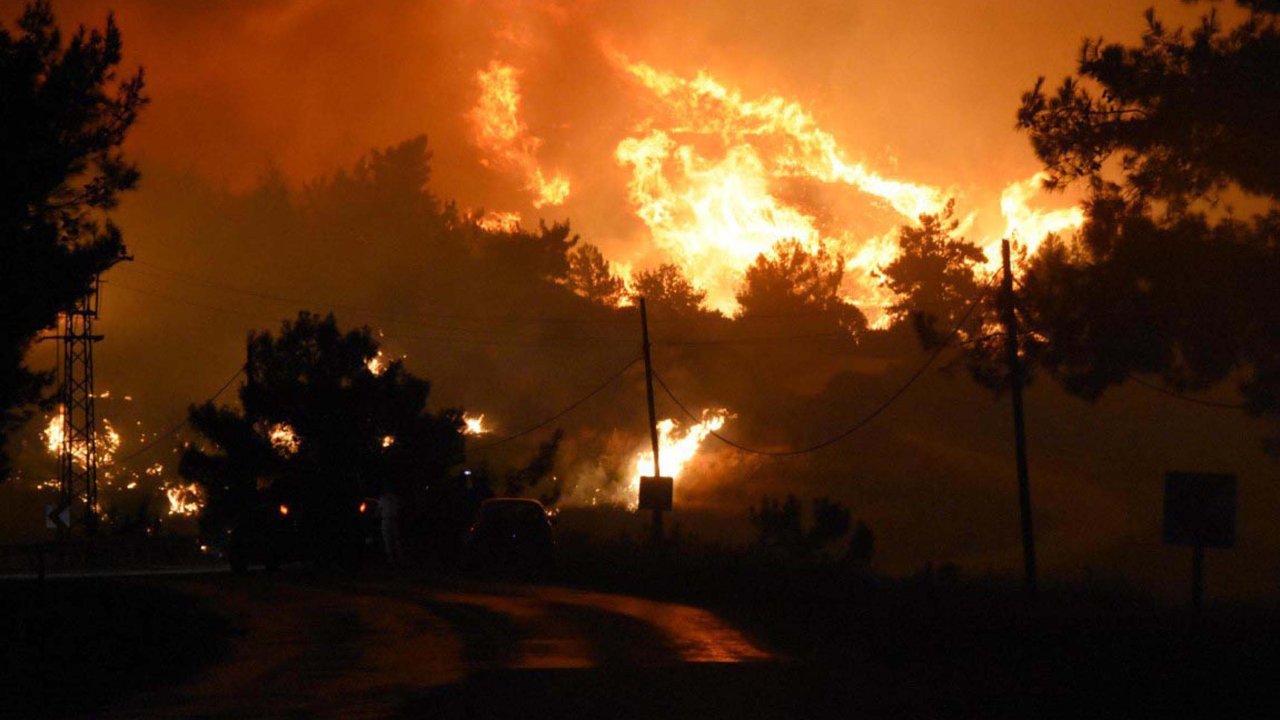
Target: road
column 402, row 650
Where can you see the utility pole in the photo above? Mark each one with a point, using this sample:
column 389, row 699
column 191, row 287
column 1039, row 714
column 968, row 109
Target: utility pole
column 1010, row 320
column 653, row 416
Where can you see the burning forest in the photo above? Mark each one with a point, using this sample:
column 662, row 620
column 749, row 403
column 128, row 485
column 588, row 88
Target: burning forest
column 724, row 359
column 490, row 190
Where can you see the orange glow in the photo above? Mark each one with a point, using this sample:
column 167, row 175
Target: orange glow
column 284, row 509
column 54, row 435
column 284, row 439
column 184, row 499
column 676, row 448
column 376, row 364
column 500, row 132
column 363, row 507
column 714, row 213
column 1028, row 225
column 499, row 222
column 473, row 425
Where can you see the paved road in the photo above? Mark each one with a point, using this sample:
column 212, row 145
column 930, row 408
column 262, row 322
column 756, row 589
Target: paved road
column 398, row 649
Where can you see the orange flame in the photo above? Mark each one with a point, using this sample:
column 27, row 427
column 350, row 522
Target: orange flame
column 107, row 441
column 676, row 448
column 715, row 214
column 184, row 499
column 376, row 364
column 1029, row 225
column 473, row 425
column 500, row 132
column 284, row 439
column 707, row 175
column 499, row 222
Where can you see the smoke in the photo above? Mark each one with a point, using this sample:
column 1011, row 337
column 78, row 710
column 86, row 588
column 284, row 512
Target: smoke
column 253, row 179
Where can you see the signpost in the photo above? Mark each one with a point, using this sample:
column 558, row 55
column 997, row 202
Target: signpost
column 57, row 517
column 1199, row 512
column 655, row 493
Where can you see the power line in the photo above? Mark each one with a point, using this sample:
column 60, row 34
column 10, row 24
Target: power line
column 184, row 301
column 856, row 426
column 573, row 341
column 177, row 426
column 568, row 409
column 760, row 340
column 1186, row 398
column 367, row 310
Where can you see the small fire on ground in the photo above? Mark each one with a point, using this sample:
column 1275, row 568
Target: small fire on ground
column 474, row 425
column 677, row 446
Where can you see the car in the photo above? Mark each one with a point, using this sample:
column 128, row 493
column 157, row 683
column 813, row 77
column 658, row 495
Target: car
column 510, row 534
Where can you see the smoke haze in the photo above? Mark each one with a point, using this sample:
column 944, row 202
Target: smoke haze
column 262, row 111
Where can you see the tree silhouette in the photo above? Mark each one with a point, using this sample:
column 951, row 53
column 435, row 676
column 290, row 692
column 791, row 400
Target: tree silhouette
column 591, row 276
column 1160, row 280
column 64, row 114
column 794, row 281
column 318, row 428
column 933, row 275
column 1186, row 114
column 780, row 527
column 667, row 289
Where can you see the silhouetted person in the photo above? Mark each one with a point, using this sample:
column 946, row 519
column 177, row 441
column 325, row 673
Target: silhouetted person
column 389, row 508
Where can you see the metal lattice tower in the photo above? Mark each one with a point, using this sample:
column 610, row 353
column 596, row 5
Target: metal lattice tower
column 78, row 472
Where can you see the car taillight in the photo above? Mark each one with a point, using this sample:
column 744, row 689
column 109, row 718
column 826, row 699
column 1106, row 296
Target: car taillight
column 363, row 506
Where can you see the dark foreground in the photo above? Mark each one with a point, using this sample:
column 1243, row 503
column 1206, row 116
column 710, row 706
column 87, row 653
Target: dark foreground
column 779, row 645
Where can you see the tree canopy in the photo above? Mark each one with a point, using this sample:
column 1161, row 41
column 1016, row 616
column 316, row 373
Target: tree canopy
column 1164, row 278
column 667, row 289
column 933, row 275
column 64, row 114
column 591, row 276
column 323, row 420
column 796, row 281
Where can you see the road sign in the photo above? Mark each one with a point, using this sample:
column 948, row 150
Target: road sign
column 1200, row 509
column 57, row 517
column 655, row 492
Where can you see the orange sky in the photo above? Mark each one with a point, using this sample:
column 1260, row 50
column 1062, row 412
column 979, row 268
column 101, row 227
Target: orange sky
column 921, row 90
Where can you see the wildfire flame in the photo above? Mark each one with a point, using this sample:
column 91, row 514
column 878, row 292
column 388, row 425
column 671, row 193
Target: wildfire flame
column 1028, row 225
column 708, row 177
column 376, row 364
column 715, row 214
column 473, row 425
column 184, row 499
column 502, row 134
column 676, row 447
column 499, row 222
column 54, row 435
column 284, row 439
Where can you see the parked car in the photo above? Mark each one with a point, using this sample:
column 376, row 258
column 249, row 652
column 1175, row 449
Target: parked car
column 511, row 534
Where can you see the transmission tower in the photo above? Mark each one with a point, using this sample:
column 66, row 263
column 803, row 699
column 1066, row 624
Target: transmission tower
column 78, row 459
column 78, row 469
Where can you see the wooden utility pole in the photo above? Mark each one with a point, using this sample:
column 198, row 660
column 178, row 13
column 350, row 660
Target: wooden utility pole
column 1010, row 320
column 653, row 416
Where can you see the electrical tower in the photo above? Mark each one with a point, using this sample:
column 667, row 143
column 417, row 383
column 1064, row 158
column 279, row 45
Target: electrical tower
column 78, row 467
column 78, row 459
